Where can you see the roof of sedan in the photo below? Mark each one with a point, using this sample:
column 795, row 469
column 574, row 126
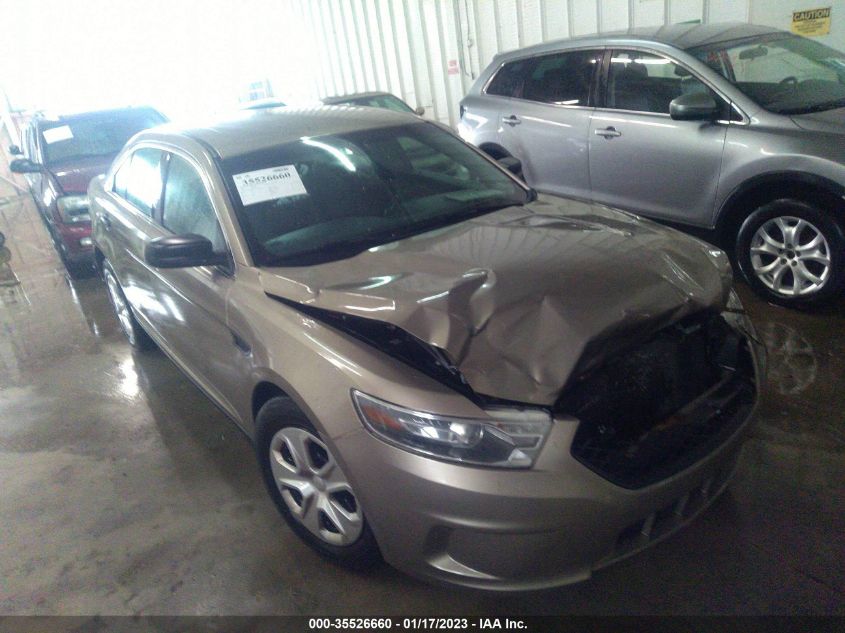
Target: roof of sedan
column 683, row 36
column 253, row 130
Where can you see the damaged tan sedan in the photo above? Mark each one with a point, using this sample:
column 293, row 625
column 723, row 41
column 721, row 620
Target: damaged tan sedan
column 436, row 365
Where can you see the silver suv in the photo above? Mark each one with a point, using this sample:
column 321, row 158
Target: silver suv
column 737, row 128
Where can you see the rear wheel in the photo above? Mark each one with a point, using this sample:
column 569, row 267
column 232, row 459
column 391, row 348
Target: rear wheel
column 309, row 487
column 133, row 331
column 792, row 253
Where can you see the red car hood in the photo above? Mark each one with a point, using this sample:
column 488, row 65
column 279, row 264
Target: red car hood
column 74, row 176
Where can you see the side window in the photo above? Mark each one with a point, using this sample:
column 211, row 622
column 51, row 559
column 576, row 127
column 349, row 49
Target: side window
column 562, row 78
column 29, row 144
column 647, row 83
column 120, row 178
column 508, row 81
column 143, row 180
column 187, row 208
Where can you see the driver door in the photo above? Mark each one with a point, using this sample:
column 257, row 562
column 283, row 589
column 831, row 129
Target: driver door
column 191, row 302
column 641, row 159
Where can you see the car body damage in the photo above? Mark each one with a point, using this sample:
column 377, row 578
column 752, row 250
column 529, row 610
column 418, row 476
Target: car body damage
column 522, row 299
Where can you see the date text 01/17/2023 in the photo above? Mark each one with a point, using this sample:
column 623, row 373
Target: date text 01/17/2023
column 417, row 624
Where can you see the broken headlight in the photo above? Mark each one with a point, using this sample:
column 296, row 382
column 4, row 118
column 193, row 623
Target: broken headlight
column 508, row 438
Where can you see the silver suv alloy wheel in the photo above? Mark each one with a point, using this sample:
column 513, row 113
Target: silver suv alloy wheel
column 791, row 256
column 314, row 487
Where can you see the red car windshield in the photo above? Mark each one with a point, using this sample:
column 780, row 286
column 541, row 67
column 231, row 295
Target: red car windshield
column 90, row 136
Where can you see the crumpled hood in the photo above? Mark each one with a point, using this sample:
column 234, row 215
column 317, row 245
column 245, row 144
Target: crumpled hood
column 521, row 298
column 830, row 121
column 74, row 177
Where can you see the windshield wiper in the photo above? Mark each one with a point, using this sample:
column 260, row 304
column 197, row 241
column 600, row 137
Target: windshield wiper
column 351, row 247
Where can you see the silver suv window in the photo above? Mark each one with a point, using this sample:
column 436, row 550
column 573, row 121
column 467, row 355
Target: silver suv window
column 784, row 73
column 643, row 82
column 560, row 78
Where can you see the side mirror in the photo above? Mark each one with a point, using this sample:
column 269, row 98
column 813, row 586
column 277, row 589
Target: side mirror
column 24, row 166
column 14, row 150
column 512, row 164
column 419, row 110
column 694, row 106
column 182, row 251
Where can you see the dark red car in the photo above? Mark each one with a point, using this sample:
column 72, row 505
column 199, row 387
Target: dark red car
column 60, row 156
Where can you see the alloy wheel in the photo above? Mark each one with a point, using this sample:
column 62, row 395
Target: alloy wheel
column 791, row 256
column 314, row 488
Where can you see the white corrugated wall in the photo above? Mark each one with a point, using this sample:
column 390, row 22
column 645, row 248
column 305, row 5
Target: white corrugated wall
column 429, row 51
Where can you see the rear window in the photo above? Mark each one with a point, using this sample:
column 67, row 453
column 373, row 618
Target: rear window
column 508, row 81
column 386, row 102
column 560, row 78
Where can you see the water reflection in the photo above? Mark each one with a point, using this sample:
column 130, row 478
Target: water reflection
column 792, row 359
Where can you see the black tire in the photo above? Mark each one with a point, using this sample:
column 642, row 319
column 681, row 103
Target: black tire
column 821, row 222
column 133, row 331
column 78, row 270
column 281, row 413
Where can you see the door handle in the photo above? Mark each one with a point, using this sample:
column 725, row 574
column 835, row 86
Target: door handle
column 104, row 219
column 511, row 120
column 608, row 132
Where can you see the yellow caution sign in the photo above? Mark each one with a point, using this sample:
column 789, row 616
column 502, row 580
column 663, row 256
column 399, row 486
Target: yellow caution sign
column 811, row 22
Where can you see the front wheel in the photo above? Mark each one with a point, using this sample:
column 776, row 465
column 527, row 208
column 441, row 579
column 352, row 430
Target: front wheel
column 792, row 253
column 309, row 486
column 135, row 334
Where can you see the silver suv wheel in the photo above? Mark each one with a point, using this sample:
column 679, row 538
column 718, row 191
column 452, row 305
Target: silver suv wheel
column 313, row 486
column 790, row 256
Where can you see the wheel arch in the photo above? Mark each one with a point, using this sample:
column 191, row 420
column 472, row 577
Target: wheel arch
column 764, row 188
column 494, row 150
column 270, row 385
column 99, row 258
column 262, row 393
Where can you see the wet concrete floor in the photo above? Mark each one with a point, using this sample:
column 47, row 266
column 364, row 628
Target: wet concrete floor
column 123, row 490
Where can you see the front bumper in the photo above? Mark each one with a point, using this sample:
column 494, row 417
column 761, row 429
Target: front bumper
column 549, row 525
column 75, row 242
column 513, row 530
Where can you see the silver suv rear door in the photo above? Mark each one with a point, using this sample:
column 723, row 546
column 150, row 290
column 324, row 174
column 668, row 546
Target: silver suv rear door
column 546, row 122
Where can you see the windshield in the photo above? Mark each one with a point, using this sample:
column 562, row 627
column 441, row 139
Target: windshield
column 330, row 197
column 784, row 73
column 388, row 102
column 99, row 135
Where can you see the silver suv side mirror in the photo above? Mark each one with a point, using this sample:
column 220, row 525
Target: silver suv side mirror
column 694, row 106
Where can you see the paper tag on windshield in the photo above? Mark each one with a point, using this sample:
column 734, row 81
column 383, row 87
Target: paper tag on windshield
column 269, row 184
column 56, row 134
